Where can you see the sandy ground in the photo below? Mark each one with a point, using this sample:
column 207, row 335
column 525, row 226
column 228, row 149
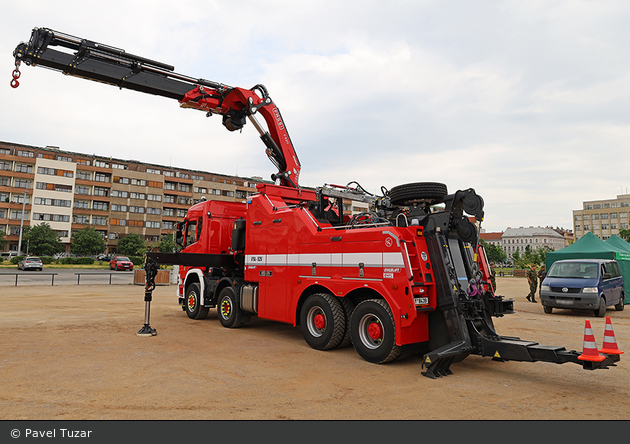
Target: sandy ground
column 72, row 353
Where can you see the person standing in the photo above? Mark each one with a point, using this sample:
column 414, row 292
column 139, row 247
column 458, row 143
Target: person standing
column 542, row 273
column 532, row 279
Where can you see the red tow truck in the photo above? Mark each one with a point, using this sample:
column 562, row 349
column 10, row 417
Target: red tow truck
column 408, row 275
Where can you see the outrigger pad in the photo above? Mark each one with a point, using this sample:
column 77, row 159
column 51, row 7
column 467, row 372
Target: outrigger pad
column 146, row 330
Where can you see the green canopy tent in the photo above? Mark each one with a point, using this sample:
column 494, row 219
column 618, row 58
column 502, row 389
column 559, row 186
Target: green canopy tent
column 590, row 246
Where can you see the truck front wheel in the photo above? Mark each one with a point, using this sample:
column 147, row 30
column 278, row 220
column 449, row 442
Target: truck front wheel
column 192, row 303
column 322, row 321
column 230, row 314
column 373, row 332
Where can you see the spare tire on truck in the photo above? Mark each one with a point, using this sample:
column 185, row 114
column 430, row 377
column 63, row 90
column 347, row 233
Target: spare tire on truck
column 431, row 192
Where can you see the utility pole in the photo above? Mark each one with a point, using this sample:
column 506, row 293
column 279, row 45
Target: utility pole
column 22, row 224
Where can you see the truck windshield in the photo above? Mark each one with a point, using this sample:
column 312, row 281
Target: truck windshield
column 577, row 270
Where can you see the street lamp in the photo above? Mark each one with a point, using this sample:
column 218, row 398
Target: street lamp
column 22, row 224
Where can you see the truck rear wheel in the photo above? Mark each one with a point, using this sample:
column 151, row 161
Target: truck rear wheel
column 194, row 310
column 322, row 321
column 348, row 308
column 230, row 314
column 374, row 332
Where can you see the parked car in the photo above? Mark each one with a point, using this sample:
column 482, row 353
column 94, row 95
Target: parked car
column 120, row 263
column 31, row 263
column 590, row 284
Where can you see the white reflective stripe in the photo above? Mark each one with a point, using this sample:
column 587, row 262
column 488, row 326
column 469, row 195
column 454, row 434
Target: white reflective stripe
column 389, row 260
column 321, row 259
column 393, row 260
column 589, row 344
column 277, row 260
column 336, row 259
column 368, row 259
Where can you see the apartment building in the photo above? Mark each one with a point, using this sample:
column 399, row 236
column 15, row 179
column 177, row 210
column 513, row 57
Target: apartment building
column 70, row 191
column 602, row 217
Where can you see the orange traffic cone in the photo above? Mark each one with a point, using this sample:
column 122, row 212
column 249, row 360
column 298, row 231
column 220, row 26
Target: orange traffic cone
column 610, row 343
column 590, row 352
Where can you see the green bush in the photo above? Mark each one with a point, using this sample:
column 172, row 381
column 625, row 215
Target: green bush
column 137, row 260
column 77, row 261
column 16, row 259
column 47, row 260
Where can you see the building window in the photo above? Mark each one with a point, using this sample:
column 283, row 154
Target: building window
column 101, row 164
column 154, row 197
column 99, row 220
column 23, row 168
column 118, row 193
column 100, row 177
column 22, row 183
column 25, row 153
column 84, row 175
column 82, row 204
column 103, row 192
column 101, row 206
column 79, row 219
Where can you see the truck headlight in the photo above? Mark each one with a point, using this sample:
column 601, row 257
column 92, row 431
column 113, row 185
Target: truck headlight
column 545, row 288
column 589, row 290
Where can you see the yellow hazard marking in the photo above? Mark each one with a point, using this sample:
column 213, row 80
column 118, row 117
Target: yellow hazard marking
column 428, row 360
column 496, row 354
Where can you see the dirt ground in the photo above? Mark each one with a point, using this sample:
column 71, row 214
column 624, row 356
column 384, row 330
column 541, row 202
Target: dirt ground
column 72, row 353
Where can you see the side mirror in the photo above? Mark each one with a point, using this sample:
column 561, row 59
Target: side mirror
column 179, row 235
column 606, row 276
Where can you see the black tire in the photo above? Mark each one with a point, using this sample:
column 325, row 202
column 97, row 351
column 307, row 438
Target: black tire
column 322, row 321
column 621, row 303
column 192, row 302
column 373, row 332
column 230, row 313
column 547, row 309
column 601, row 310
column 432, row 192
column 348, row 308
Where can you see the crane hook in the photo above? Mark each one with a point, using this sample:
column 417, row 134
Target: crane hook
column 16, row 75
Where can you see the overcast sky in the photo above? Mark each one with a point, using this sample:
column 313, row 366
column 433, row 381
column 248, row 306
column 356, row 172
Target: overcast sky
column 527, row 102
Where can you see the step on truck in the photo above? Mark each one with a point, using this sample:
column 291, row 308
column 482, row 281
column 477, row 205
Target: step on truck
column 406, row 276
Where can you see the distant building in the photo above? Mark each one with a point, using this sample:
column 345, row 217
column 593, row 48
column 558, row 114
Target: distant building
column 513, row 239
column 603, row 218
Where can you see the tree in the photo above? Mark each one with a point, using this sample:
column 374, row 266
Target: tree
column 495, row 253
column 42, row 240
column 87, row 242
column 624, row 233
column 3, row 240
column 131, row 245
column 167, row 245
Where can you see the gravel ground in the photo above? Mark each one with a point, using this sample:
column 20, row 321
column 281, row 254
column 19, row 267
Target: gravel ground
column 71, row 353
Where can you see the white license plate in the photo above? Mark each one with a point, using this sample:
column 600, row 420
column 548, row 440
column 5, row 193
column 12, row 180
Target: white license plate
column 564, row 301
column 421, row 301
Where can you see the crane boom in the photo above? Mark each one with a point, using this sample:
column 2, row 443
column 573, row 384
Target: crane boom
column 106, row 64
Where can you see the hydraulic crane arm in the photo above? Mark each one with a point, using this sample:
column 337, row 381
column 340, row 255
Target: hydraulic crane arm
column 102, row 63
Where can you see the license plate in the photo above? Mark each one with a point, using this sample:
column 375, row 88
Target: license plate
column 421, row 301
column 564, row 301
